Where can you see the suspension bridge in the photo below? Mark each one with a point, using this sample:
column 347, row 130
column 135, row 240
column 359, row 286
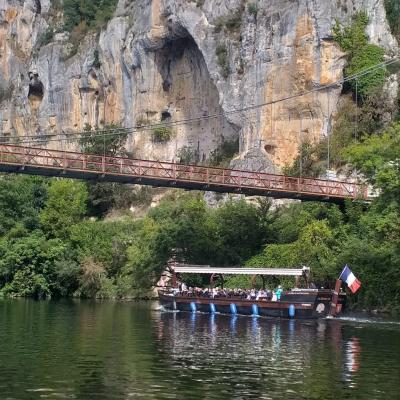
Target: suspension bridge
column 58, row 163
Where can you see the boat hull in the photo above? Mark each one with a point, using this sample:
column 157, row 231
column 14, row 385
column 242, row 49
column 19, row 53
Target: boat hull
column 304, row 305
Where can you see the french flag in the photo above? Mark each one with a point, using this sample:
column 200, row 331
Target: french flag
column 352, row 282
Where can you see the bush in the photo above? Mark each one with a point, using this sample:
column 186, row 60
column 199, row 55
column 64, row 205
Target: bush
column 362, row 55
column 233, row 22
column 95, row 13
column 187, row 155
column 222, row 59
column 93, row 273
column 224, row 153
column 162, row 134
column 110, row 140
column 367, row 57
column 354, row 37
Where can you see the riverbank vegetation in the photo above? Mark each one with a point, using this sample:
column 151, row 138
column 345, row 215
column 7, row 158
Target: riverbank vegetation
column 51, row 245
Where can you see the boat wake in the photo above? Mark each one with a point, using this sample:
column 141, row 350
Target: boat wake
column 166, row 310
column 367, row 320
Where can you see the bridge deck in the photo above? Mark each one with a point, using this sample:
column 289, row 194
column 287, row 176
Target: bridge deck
column 38, row 161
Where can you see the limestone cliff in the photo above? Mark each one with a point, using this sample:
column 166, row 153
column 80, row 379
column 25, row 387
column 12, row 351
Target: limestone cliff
column 181, row 60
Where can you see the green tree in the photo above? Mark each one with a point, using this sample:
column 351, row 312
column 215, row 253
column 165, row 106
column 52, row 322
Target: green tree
column 352, row 38
column 145, row 264
column 65, row 206
column 103, row 196
column 378, row 157
column 109, row 141
column 21, row 199
column 104, row 242
column 95, row 13
column 314, row 248
column 27, row 265
column 239, row 232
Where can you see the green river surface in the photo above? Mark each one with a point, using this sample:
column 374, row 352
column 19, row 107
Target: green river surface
column 109, row 350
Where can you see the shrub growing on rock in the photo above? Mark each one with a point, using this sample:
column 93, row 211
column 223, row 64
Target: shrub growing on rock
column 222, row 59
column 162, row 134
column 362, row 55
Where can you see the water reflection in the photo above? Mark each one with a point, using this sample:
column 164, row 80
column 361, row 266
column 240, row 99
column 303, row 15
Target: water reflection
column 352, row 360
column 302, row 356
column 90, row 350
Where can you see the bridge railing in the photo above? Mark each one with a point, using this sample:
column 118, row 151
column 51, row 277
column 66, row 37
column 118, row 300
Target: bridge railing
column 166, row 171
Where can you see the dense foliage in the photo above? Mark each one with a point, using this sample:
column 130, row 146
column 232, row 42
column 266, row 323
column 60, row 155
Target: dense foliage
column 362, row 55
column 93, row 13
column 103, row 196
column 51, row 248
column 393, row 15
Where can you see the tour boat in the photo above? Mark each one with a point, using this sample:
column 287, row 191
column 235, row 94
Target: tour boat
column 294, row 303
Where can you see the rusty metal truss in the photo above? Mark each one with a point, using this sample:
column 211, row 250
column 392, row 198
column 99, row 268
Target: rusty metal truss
column 39, row 161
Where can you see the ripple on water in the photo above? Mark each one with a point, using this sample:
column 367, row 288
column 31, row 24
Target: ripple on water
column 90, row 350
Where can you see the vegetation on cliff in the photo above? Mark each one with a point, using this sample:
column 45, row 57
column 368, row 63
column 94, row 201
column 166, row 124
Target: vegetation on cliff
column 362, row 55
column 393, row 16
column 93, row 13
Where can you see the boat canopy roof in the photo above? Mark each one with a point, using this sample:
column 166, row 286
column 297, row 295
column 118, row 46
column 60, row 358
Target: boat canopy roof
column 206, row 269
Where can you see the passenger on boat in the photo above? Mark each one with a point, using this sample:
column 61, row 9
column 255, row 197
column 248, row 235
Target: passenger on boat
column 279, row 292
column 243, row 294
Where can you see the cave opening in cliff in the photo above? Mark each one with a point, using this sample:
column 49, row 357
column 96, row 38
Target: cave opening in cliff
column 36, row 88
column 185, row 90
column 173, row 51
column 165, row 116
column 270, row 149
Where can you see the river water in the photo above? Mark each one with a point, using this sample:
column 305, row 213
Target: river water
column 109, row 350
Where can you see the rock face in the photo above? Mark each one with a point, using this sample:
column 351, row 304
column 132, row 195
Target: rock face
column 200, row 66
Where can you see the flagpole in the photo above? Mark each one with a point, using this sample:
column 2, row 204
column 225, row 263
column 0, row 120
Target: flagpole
column 335, row 298
column 346, row 266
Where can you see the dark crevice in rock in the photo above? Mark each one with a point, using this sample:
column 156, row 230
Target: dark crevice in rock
column 165, row 116
column 36, row 88
column 38, row 6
